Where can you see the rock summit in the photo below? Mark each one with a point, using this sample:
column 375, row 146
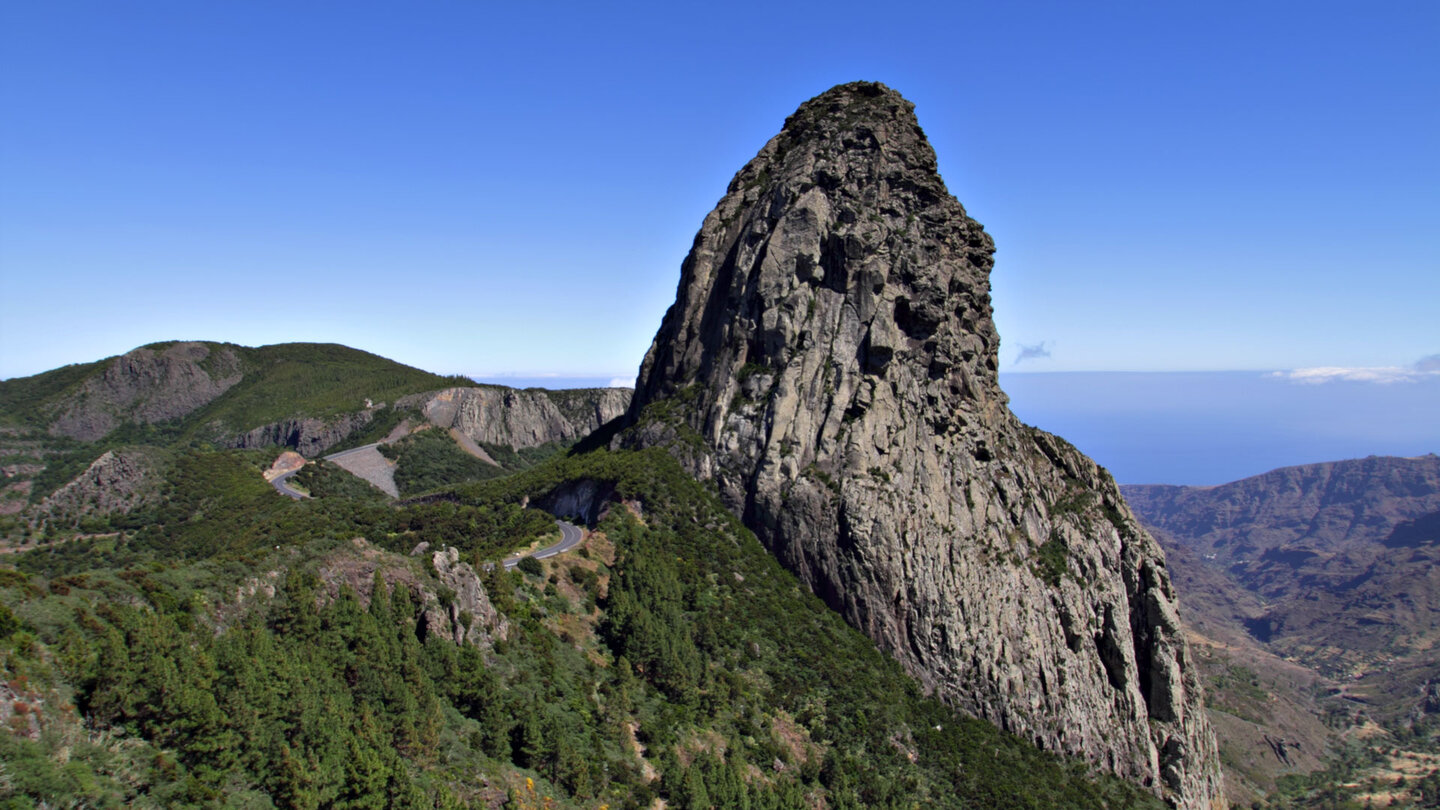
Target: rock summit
column 830, row 363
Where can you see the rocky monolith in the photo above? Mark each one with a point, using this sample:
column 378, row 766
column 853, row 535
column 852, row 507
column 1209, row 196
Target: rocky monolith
column 830, row 364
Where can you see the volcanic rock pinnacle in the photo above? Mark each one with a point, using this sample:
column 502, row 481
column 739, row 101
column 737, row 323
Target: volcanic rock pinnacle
column 830, row 364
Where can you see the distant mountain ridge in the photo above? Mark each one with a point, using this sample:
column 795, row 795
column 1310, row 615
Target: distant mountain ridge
column 216, row 388
column 309, row 396
column 313, row 398
column 1312, row 507
column 1335, row 565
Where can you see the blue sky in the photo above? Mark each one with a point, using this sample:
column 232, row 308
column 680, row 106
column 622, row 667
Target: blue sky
column 498, row 189
column 1206, row 428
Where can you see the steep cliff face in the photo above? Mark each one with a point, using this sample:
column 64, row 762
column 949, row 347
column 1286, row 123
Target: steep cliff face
column 830, row 363
column 521, row 418
column 494, row 415
column 147, row 386
column 310, row 437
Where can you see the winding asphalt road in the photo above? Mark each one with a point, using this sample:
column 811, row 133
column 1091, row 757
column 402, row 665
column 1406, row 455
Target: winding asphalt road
column 283, row 488
column 570, row 537
column 343, row 453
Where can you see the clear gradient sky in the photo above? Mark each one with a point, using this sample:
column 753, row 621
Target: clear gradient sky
column 492, row 188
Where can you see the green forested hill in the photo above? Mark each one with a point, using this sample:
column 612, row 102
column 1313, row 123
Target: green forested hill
column 671, row 657
column 194, row 394
column 24, row 401
column 274, row 383
column 315, row 379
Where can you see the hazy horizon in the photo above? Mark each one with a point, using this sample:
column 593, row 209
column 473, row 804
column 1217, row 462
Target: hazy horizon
column 1200, row 428
column 1196, row 428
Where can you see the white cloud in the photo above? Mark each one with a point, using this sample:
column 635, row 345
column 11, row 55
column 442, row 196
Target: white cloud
column 1382, row 375
column 1036, row 352
column 622, row 382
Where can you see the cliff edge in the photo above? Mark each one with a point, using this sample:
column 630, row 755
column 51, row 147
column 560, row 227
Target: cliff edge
column 830, row 363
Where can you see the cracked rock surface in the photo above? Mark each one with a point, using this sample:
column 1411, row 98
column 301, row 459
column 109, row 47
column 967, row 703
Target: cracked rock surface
column 830, row 364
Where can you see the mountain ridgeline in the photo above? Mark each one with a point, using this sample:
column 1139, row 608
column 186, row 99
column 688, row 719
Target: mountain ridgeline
column 1334, row 565
column 308, row 396
column 830, row 364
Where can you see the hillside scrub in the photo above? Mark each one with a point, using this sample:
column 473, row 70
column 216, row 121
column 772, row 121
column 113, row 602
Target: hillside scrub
column 430, row 459
column 744, row 690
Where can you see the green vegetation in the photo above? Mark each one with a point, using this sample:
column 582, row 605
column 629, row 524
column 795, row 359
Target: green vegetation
column 1239, row 692
column 750, row 370
column 312, row 379
column 24, row 401
column 824, row 478
column 525, row 457
column 1051, row 561
column 673, row 414
column 431, row 459
column 324, row 479
column 383, row 422
column 159, row 673
column 279, row 382
column 1394, row 770
column 66, row 460
column 216, row 505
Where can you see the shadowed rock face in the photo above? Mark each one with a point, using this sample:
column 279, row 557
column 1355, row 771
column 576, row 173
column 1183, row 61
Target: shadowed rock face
column 522, row 418
column 830, row 363
column 310, row 437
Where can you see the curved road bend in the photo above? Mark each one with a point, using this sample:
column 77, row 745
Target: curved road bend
column 343, row 453
column 283, row 488
column 570, row 537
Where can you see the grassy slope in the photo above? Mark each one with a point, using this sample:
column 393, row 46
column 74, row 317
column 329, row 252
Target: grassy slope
column 281, row 381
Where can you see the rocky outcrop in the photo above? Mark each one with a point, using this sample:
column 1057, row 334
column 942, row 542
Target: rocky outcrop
column 310, row 437
column 466, row 615
column 147, row 385
column 117, row 482
column 586, row 500
column 456, row 607
column 521, row 418
column 830, row 364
